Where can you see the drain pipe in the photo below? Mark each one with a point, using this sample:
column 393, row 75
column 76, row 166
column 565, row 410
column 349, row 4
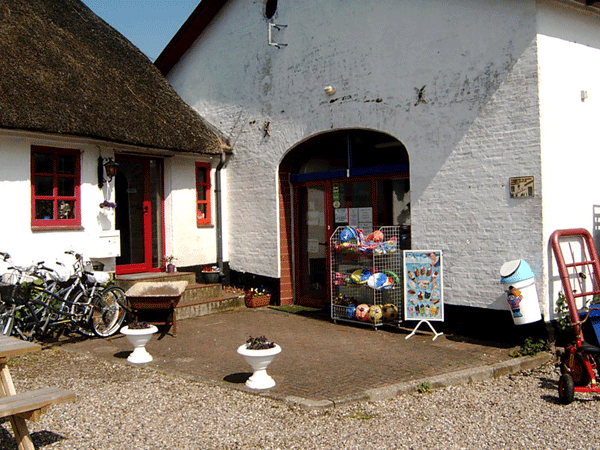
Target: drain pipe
column 222, row 162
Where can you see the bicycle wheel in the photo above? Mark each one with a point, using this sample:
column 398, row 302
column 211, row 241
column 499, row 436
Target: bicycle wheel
column 118, row 294
column 80, row 315
column 7, row 319
column 107, row 315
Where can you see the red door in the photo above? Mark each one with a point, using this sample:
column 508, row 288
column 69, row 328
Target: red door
column 139, row 214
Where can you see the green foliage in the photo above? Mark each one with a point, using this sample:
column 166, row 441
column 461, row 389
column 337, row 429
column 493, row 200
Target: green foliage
column 562, row 309
column 424, row 387
column 529, row 348
column 360, row 415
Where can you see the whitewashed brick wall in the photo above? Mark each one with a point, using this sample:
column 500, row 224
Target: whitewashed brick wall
column 479, row 123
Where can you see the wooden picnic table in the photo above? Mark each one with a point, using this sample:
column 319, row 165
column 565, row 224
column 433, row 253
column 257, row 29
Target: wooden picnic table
column 27, row 405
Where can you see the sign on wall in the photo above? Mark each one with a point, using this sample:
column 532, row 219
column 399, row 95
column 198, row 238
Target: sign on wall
column 521, row 187
column 423, row 293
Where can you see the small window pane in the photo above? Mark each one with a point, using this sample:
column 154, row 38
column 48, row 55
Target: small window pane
column 42, row 162
column 201, row 213
column 66, row 164
column 66, row 209
column 201, row 175
column 44, row 209
column 66, row 187
column 43, row 185
column 201, row 193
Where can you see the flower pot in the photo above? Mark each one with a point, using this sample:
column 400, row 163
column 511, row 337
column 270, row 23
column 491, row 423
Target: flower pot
column 139, row 338
column 170, row 268
column 257, row 301
column 211, row 277
column 259, row 360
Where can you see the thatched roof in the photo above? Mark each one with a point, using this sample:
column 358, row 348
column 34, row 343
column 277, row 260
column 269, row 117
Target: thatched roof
column 64, row 70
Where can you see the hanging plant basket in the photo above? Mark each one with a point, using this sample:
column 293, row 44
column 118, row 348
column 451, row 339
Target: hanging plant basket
column 257, row 301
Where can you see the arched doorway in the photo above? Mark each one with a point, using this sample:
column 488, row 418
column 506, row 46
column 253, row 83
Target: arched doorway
column 345, row 177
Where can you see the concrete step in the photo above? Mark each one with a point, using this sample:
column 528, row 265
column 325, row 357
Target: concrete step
column 128, row 280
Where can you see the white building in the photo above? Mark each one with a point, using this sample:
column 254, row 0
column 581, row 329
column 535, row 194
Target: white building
column 421, row 111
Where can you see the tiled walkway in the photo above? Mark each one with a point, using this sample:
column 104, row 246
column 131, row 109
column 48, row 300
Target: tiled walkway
column 321, row 362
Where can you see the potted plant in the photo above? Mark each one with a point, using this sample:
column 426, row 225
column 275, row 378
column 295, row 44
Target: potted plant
column 211, row 274
column 259, row 352
column 169, row 265
column 257, row 297
column 139, row 334
column 107, row 208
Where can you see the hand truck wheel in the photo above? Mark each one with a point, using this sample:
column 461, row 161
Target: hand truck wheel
column 566, row 389
column 577, row 369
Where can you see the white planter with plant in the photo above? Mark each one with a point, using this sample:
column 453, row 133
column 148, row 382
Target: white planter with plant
column 139, row 334
column 259, row 353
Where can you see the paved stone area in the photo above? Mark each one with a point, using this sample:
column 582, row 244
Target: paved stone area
column 321, row 363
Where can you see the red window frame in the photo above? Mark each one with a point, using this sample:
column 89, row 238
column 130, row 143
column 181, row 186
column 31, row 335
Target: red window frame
column 57, row 180
column 203, row 214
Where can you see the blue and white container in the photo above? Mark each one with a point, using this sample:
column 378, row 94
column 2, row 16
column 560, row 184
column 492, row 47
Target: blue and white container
column 521, row 293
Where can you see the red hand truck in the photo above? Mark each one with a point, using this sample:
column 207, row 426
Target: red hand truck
column 579, row 275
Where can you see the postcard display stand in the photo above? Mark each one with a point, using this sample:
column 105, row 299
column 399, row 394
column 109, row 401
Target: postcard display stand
column 366, row 277
column 423, row 293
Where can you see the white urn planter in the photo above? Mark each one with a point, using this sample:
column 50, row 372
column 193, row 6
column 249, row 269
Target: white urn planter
column 259, row 360
column 139, row 337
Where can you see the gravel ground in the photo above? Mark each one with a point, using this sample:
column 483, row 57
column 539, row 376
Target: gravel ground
column 125, row 407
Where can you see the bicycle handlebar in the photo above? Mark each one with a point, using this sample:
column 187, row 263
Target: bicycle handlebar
column 591, row 308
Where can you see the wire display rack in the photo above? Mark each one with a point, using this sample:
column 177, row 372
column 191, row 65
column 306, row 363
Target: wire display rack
column 366, row 276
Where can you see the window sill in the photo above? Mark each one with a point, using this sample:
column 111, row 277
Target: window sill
column 204, row 225
column 57, row 228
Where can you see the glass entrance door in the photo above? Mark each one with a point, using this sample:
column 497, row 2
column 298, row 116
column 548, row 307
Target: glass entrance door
column 311, row 254
column 139, row 214
column 323, row 206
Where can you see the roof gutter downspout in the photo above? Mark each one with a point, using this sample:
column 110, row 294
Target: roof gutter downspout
column 218, row 194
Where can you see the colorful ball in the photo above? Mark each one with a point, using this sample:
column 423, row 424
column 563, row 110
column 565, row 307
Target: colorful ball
column 390, row 312
column 362, row 312
column 350, row 312
column 375, row 314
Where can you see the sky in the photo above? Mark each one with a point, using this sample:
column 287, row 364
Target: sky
column 148, row 24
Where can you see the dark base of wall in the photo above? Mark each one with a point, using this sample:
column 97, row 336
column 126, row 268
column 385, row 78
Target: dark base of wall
column 476, row 323
column 245, row 280
column 242, row 280
column 493, row 325
column 198, row 271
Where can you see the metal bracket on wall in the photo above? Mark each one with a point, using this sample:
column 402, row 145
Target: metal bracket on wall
column 278, row 27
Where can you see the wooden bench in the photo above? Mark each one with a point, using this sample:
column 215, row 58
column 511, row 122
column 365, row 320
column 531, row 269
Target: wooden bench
column 28, row 405
column 31, row 405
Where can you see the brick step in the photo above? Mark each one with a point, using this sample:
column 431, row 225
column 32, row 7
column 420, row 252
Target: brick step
column 195, row 292
column 195, row 302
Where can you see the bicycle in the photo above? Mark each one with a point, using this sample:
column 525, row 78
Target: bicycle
column 42, row 299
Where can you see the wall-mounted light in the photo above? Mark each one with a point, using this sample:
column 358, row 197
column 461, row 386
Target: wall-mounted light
column 329, row 90
column 108, row 166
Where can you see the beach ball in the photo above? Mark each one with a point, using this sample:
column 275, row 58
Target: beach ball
column 375, row 314
column 390, row 312
column 348, row 234
column 362, row 312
